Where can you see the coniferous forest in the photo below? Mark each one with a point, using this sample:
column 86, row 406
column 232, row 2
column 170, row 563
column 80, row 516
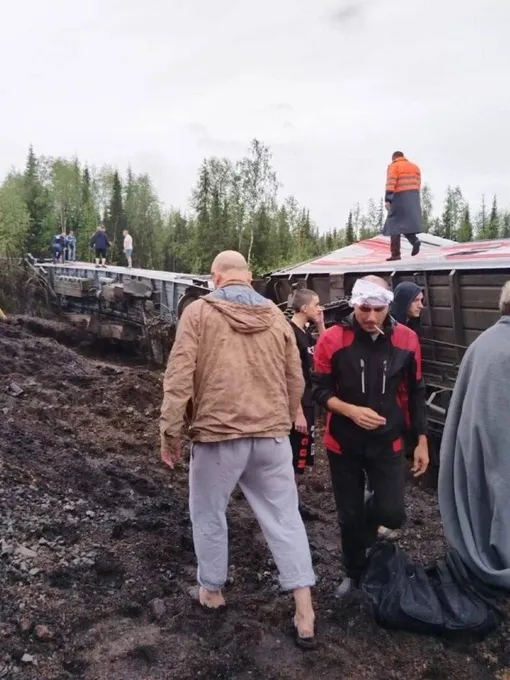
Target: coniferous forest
column 235, row 204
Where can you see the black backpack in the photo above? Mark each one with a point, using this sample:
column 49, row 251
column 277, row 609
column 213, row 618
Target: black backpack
column 445, row 600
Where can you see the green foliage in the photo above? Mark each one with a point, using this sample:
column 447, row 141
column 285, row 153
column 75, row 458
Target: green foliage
column 465, row 232
column 235, row 204
column 349, row 231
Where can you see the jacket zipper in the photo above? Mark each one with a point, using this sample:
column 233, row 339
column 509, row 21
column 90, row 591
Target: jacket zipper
column 362, row 364
column 385, row 368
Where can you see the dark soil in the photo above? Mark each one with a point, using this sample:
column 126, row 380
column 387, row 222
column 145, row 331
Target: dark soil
column 96, row 550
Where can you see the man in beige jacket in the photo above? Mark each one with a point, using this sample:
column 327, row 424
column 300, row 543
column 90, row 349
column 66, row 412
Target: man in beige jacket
column 235, row 357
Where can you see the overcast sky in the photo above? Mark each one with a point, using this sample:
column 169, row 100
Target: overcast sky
column 333, row 87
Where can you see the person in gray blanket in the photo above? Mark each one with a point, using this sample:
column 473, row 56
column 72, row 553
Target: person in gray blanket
column 474, row 477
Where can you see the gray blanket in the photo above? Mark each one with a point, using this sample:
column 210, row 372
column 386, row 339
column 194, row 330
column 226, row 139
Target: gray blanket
column 474, row 477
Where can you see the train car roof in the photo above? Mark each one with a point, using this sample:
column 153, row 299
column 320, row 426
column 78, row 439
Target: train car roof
column 435, row 254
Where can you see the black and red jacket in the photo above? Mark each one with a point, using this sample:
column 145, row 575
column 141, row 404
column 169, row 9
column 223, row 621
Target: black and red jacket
column 383, row 374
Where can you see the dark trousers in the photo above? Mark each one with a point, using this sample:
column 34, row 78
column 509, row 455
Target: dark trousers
column 358, row 520
column 395, row 243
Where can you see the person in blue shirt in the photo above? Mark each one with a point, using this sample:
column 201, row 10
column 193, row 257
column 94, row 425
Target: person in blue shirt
column 71, row 247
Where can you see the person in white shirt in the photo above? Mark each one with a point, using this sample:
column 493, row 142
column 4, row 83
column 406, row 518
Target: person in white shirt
column 128, row 247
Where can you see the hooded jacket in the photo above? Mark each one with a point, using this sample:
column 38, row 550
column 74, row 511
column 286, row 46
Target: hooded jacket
column 382, row 374
column 235, row 357
column 100, row 240
column 404, row 295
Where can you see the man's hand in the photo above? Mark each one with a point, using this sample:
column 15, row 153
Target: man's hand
column 365, row 417
column 301, row 425
column 421, row 460
column 387, row 205
column 171, row 452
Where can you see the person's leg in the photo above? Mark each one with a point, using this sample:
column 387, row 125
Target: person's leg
column 386, row 471
column 303, row 450
column 130, row 259
column 415, row 242
column 269, row 487
column 395, row 246
column 98, row 257
column 215, row 469
column 348, row 482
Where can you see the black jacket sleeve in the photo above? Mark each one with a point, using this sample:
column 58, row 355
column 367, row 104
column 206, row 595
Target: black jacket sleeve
column 416, row 393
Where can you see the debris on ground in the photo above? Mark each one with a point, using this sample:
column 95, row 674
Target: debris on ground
column 96, row 552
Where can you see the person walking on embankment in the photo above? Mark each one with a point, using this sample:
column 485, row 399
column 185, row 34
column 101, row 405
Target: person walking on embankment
column 235, row 357
column 403, row 203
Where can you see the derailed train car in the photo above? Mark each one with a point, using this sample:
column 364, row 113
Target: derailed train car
column 461, row 285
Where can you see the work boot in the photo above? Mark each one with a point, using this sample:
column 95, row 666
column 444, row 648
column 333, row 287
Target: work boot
column 416, row 248
column 393, row 258
column 347, row 586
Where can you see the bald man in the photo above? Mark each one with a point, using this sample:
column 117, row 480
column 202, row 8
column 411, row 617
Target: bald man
column 367, row 374
column 235, row 357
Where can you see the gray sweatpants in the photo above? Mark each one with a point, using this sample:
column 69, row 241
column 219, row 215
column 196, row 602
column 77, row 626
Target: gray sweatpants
column 263, row 469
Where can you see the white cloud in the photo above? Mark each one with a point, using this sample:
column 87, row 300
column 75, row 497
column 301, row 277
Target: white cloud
column 332, row 87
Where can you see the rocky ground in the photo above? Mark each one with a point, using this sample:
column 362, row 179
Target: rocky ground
column 96, row 549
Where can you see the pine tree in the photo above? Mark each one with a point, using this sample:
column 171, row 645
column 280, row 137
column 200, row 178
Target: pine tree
column 284, row 236
column 115, row 221
column 349, row 230
column 493, row 226
column 465, row 232
column 426, row 207
column 481, row 221
column 204, row 237
column 89, row 217
column 452, row 213
column 38, row 235
column 505, row 226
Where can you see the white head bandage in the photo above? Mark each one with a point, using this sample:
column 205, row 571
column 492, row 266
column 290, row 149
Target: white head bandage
column 368, row 293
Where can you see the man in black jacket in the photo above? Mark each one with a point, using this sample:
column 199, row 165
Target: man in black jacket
column 367, row 374
column 100, row 243
column 307, row 309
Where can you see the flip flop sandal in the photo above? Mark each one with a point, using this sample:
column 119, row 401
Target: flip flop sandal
column 387, row 534
column 304, row 643
column 194, row 593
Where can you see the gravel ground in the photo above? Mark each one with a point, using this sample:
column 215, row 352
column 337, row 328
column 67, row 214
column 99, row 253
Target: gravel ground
column 96, row 553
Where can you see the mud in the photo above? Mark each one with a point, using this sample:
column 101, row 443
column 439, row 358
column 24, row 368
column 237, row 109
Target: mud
column 97, row 556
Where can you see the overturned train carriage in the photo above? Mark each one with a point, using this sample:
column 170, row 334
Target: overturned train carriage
column 134, row 306
column 461, row 285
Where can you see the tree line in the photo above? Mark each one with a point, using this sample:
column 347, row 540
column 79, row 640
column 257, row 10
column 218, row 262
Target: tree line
column 235, row 204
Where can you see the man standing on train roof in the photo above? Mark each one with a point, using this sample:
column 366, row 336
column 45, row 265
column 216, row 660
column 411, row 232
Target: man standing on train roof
column 368, row 375
column 402, row 200
column 407, row 305
column 100, row 243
